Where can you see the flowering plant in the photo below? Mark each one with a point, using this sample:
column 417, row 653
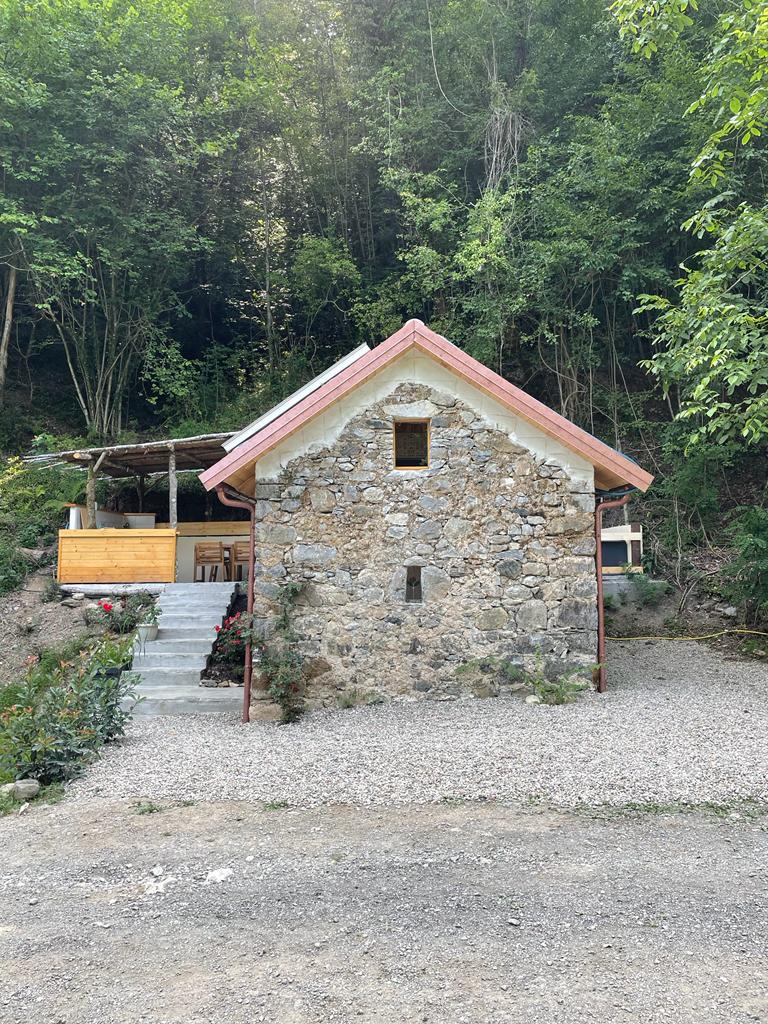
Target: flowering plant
column 124, row 614
column 232, row 637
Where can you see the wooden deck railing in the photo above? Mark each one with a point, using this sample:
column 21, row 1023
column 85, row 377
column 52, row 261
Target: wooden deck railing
column 117, row 556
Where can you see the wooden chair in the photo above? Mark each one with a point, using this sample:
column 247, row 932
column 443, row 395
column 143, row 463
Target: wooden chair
column 210, row 554
column 240, row 558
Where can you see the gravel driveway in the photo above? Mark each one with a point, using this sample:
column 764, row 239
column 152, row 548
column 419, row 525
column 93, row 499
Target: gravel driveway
column 681, row 723
column 481, row 914
column 218, row 904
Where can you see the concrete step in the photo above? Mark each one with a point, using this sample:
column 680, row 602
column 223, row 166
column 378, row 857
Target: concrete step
column 152, row 678
column 179, row 604
column 198, row 589
column 147, row 663
column 191, row 633
column 178, row 646
column 206, row 621
column 201, row 700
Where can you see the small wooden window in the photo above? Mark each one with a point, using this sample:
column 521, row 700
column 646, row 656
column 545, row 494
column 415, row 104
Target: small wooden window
column 412, row 444
column 413, row 583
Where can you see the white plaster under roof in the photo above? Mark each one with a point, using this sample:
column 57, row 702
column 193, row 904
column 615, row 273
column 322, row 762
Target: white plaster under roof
column 420, row 368
column 297, row 396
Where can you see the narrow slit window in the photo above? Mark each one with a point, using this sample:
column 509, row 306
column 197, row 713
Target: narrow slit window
column 412, row 444
column 413, row 583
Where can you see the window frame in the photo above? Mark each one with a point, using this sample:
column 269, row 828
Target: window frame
column 411, row 419
column 417, row 585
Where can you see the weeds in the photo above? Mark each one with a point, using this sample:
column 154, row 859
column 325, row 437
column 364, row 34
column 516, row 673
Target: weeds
column 276, row 805
column 647, row 593
column 356, row 698
column 147, row 807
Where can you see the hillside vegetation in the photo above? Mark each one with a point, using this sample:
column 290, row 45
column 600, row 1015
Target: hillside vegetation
column 205, row 202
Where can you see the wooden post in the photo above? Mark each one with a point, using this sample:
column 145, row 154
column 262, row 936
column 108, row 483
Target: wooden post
column 90, row 490
column 173, row 490
column 141, row 483
column 90, row 498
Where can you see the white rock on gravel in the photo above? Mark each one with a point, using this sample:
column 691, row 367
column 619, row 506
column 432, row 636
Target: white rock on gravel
column 680, row 723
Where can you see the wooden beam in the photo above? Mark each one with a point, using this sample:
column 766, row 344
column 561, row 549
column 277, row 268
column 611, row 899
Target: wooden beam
column 173, row 490
column 90, row 498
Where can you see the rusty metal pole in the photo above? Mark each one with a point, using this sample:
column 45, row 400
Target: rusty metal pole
column 601, row 507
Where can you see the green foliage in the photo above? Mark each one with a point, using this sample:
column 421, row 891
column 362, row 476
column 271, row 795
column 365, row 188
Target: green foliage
column 646, row 592
column 561, row 689
column 747, row 574
column 711, row 336
column 231, row 638
column 57, row 719
column 147, row 807
column 125, row 613
column 355, row 698
column 281, row 662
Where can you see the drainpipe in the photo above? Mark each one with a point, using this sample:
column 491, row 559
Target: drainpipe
column 599, row 509
column 242, row 501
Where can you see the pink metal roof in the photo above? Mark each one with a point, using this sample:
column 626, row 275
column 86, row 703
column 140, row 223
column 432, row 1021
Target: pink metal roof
column 611, row 467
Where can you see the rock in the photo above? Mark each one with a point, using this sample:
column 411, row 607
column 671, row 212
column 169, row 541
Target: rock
column 532, row 615
column 576, row 614
column 728, row 611
column 492, row 618
column 218, row 875
column 533, row 698
column 322, row 499
column 25, row 789
column 71, row 602
column 508, row 569
column 314, row 554
column 428, row 530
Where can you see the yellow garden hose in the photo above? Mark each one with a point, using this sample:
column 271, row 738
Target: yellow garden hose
column 707, row 636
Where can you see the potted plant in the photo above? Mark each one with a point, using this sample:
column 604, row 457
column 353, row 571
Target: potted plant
column 147, row 627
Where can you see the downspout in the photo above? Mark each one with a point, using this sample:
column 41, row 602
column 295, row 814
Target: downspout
column 599, row 509
column 249, row 506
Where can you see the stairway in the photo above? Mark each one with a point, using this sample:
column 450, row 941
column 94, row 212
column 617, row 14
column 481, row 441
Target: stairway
column 170, row 666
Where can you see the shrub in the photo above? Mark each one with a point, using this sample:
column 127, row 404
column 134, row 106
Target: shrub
column 125, row 613
column 647, row 592
column 747, row 574
column 281, row 662
column 68, row 705
column 561, row 690
column 51, row 592
column 231, row 638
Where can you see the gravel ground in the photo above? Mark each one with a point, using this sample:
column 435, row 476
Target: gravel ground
column 226, row 913
column 681, row 723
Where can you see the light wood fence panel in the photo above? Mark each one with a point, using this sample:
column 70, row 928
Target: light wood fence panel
column 117, row 556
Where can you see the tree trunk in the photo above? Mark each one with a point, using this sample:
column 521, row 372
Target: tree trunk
column 5, row 338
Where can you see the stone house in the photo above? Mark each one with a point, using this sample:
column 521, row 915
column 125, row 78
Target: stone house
column 434, row 513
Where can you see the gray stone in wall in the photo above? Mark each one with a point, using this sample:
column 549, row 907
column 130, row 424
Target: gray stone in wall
column 492, row 618
column 322, row 499
column 532, row 615
column 576, row 614
column 314, row 554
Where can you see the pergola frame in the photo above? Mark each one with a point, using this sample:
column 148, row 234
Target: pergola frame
column 140, row 461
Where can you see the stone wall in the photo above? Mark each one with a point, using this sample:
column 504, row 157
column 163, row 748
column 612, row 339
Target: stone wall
column 505, row 541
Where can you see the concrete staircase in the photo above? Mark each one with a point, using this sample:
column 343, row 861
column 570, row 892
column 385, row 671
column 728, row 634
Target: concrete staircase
column 170, row 666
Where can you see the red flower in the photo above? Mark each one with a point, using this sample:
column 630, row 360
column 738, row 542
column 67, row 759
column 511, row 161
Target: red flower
column 106, row 606
column 217, row 628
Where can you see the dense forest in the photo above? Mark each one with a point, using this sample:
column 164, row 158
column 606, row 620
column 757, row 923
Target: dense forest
column 205, row 202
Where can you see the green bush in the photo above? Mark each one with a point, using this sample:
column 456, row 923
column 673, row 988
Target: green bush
column 69, row 704
column 747, row 575
column 647, row 592
column 124, row 614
